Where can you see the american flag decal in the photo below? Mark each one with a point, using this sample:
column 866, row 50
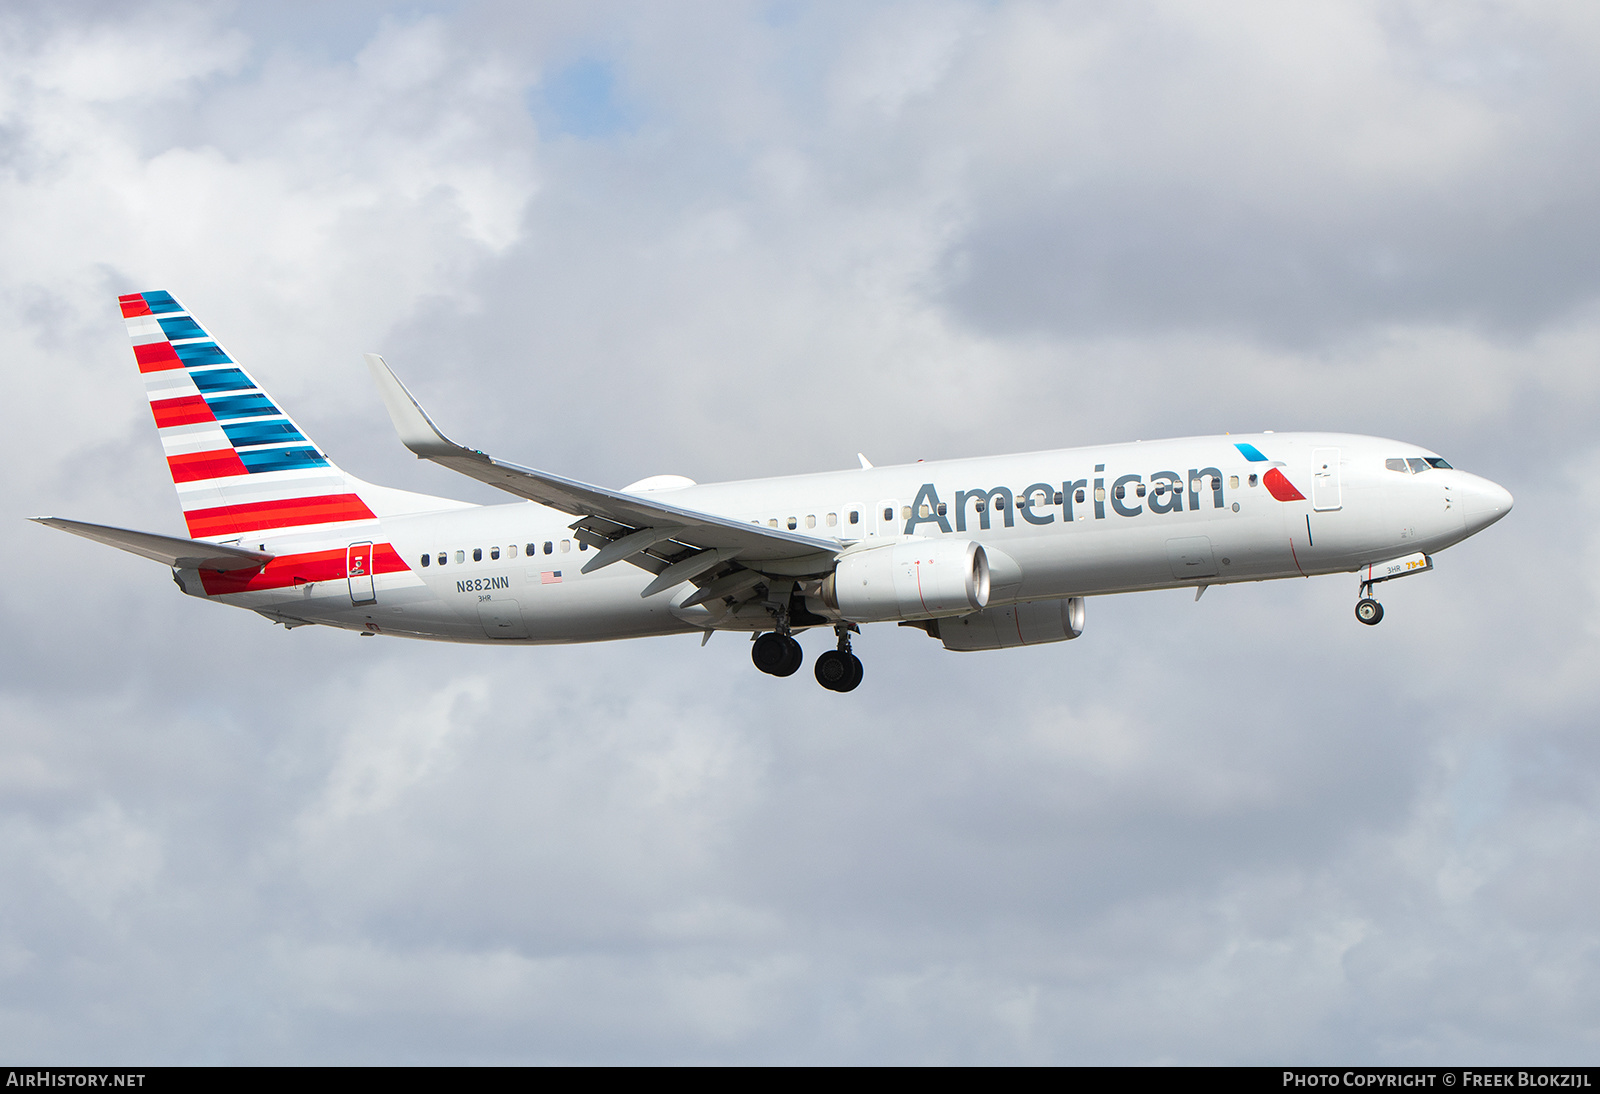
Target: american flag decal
column 550, row 577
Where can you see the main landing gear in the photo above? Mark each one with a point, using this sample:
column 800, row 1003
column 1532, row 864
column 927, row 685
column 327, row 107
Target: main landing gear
column 840, row 670
column 778, row 654
column 1368, row 610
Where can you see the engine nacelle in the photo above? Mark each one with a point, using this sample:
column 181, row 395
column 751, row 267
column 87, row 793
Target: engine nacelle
column 1005, row 626
column 910, row 579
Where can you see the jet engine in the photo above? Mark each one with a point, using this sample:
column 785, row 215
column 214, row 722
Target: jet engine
column 1004, row 626
column 909, row 579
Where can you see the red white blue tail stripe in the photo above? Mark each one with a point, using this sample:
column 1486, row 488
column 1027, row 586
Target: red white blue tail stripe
column 240, row 464
column 243, row 469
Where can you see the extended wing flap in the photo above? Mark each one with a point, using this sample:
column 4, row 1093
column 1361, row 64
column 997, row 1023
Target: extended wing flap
column 183, row 554
column 751, row 544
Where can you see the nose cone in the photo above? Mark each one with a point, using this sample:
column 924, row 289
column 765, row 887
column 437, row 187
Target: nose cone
column 1482, row 503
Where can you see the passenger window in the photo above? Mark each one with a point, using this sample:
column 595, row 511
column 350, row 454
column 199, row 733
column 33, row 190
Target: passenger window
column 477, row 554
column 1253, row 480
column 855, row 516
column 1119, row 492
column 1058, row 497
column 1099, row 493
column 582, row 545
column 1417, row 465
column 905, row 512
column 566, row 545
column 923, row 511
column 1233, row 482
column 1078, row 496
column 982, row 506
column 1396, row 465
column 426, row 559
column 494, row 552
column 549, row 547
column 793, row 524
column 1139, row 490
column 943, row 508
column 461, row 556
column 442, row 557
column 811, row 520
column 833, row 520
column 773, row 523
column 511, row 551
column 888, row 514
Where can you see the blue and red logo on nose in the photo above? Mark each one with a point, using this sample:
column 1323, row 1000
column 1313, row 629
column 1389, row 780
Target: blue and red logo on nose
column 1273, row 479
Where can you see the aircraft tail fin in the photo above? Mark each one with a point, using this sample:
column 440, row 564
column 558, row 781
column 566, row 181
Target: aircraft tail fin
column 240, row 464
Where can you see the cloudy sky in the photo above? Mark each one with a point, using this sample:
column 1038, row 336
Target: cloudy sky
column 736, row 239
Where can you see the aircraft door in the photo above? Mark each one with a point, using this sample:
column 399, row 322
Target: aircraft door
column 886, row 517
column 358, row 571
column 1325, row 492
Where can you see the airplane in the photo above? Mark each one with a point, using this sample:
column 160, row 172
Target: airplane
column 981, row 554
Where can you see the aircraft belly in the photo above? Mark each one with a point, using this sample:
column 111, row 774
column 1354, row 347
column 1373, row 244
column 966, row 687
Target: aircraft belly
column 1253, row 544
column 593, row 608
column 1150, row 552
column 1083, row 560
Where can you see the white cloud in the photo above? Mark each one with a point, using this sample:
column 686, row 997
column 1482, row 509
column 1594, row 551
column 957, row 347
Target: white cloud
column 1230, row 831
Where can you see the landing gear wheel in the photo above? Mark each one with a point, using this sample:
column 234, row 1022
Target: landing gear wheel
column 794, row 657
column 1369, row 611
column 777, row 654
column 770, row 652
column 856, row 673
column 838, row 671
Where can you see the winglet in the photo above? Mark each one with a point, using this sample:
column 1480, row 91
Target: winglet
column 866, row 464
column 416, row 429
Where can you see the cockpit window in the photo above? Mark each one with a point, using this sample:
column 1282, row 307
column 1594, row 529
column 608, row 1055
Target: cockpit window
column 1415, row 465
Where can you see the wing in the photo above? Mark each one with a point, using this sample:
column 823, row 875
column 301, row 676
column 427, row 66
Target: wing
column 183, row 554
column 675, row 544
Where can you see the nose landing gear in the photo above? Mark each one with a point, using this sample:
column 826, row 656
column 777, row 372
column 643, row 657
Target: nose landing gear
column 1368, row 610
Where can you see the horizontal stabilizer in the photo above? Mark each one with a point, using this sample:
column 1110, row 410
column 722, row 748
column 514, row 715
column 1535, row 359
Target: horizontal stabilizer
column 182, row 554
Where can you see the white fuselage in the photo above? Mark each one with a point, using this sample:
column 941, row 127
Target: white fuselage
column 1065, row 523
